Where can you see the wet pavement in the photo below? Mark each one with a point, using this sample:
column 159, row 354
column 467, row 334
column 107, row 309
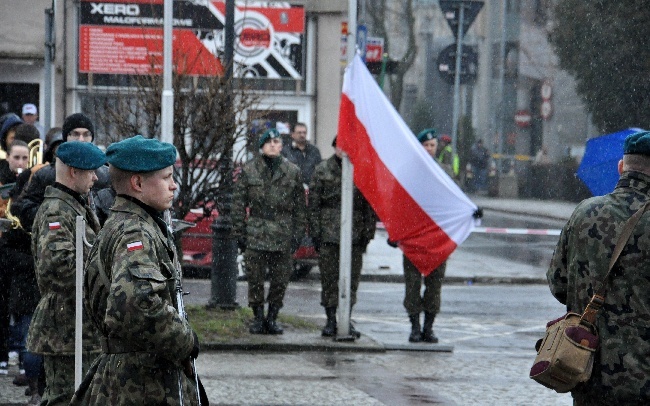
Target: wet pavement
column 483, row 356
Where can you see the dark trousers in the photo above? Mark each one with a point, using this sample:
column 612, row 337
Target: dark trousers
column 414, row 301
column 328, row 263
column 279, row 266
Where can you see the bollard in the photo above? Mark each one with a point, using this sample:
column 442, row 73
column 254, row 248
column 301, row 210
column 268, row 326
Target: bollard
column 223, row 275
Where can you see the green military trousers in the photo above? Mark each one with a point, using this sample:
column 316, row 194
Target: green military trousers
column 414, row 301
column 279, row 266
column 328, row 263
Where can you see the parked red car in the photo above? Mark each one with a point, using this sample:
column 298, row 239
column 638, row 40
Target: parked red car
column 197, row 249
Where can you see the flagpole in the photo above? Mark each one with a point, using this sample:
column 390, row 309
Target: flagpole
column 345, row 261
column 167, row 101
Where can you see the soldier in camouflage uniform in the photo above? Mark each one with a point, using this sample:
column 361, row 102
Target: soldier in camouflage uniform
column 325, row 229
column 52, row 330
column 621, row 372
column 270, row 188
column 130, row 284
column 414, row 301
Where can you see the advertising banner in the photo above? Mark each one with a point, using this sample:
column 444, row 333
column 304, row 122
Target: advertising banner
column 126, row 38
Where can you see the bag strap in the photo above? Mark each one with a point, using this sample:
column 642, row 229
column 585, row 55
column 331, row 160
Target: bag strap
column 598, row 299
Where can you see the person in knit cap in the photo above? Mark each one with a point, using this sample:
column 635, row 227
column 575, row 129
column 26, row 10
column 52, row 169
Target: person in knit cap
column 270, row 189
column 52, row 328
column 76, row 127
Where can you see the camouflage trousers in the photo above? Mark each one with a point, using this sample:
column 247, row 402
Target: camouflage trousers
column 414, row 301
column 59, row 377
column 328, row 263
column 279, row 266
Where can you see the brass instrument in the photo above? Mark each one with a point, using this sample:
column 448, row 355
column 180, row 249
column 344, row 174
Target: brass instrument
column 35, row 158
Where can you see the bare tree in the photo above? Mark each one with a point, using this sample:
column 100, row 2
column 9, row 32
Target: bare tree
column 210, row 118
column 387, row 14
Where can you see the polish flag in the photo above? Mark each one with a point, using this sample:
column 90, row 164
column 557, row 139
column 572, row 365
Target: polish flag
column 420, row 205
column 55, row 226
column 134, row 246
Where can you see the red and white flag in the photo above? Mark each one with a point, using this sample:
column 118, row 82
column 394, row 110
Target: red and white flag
column 419, row 204
column 134, row 246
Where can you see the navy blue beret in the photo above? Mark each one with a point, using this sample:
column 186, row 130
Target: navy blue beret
column 427, row 134
column 268, row 134
column 139, row 154
column 637, row 143
column 81, row 155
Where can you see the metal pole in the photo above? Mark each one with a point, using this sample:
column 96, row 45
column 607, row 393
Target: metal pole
column 46, row 109
column 80, row 230
column 223, row 275
column 502, row 73
column 345, row 260
column 459, row 53
column 167, row 109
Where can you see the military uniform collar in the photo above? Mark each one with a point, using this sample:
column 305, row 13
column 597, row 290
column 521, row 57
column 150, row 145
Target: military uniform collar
column 77, row 196
column 145, row 212
column 60, row 193
column 635, row 180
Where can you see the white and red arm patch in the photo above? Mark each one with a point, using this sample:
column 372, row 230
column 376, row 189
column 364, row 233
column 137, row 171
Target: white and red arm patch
column 134, row 246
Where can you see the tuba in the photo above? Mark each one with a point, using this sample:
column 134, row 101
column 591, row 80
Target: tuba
column 35, row 158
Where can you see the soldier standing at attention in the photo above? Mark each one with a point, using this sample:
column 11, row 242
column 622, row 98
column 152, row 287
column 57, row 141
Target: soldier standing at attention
column 52, row 330
column 414, row 301
column 621, row 371
column 130, row 288
column 271, row 188
column 325, row 228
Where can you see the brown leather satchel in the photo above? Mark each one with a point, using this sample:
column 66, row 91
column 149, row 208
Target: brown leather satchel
column 565, row 356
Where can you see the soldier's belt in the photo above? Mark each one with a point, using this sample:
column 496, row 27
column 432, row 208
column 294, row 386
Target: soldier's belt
column 117, row 346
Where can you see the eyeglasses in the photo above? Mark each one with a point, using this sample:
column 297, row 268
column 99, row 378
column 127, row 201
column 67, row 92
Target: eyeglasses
column 80, row 134
column 300, row 132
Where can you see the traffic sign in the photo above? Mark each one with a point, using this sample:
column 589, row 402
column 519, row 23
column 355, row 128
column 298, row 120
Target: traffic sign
column 451, row 11
column 468, row 64
column 362, row 39
column 523, row 118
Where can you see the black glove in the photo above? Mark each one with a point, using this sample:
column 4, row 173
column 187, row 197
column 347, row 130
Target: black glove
column 316, row 242
column 295, row 244
column 241, row 244
column 196, row 348
column 391, row 243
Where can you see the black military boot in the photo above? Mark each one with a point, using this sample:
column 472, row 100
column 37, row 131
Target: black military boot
column 271, row 326
column 416, row 334
column 353, row 331
column 427, row 328
column 258, row 325
column 330, row 327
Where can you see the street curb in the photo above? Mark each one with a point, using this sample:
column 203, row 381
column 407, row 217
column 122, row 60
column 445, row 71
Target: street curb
column 525, row 213
column 295, row 347
column 470, row 280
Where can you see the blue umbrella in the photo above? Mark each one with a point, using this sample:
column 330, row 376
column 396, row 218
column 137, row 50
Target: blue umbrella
column 599, row 167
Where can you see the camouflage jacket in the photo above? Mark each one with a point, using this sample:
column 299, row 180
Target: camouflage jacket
column 325, row 207
column 275, row 205
column 53, row 244
column 621, row 373
column 130, row 285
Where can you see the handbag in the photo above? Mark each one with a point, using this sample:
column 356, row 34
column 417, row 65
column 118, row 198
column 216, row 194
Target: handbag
column 565, row 355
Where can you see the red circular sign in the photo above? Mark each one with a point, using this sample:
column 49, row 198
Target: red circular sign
column 523, row 118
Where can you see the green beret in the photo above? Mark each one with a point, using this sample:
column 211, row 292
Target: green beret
column 81, row 155
column 268, row 134
column 427, row 134
column 637, row 143
column 139, row 154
